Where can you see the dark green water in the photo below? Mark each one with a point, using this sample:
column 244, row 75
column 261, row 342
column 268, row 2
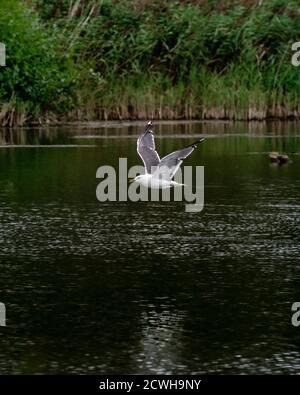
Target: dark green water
column 145, row 287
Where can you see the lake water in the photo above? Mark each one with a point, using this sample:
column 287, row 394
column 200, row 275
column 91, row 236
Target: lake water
column 123, row 287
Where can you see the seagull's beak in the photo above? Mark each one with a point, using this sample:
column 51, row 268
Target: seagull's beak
column 131, row 180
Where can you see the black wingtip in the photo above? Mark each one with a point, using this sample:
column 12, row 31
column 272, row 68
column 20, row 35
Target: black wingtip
column 148, row 126
column 196, row 143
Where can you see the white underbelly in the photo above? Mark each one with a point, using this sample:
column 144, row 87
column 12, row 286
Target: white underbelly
column 155, row 183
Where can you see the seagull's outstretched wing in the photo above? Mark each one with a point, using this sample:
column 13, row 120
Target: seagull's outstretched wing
column 170, row 164
column 146, row 149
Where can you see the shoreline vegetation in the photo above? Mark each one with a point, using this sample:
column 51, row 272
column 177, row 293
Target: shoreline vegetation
column 94, row 60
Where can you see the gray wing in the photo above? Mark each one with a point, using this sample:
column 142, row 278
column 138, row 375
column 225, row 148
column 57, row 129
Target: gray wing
column 170, row 164
column 146, row 149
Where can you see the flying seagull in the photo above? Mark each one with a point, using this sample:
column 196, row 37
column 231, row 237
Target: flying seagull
column 159, row 173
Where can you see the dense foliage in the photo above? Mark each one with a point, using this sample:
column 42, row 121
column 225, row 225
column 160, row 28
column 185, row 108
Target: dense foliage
column 37, row 77
column 148, row 58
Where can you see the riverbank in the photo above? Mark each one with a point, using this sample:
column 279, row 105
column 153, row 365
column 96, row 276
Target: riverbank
column 133, row 60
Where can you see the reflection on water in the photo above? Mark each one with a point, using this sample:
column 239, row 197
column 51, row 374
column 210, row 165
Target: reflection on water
column 161, row 332
column 145, row 287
